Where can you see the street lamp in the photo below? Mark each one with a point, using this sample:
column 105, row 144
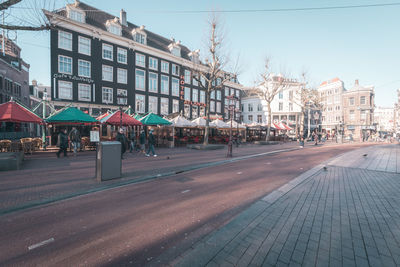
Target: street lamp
column 231, row 107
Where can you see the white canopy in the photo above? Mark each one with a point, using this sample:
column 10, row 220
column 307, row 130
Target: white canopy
column 236, row 125
column 180, row 121
column 221, row 124
column 253, row 124
column 200, row 122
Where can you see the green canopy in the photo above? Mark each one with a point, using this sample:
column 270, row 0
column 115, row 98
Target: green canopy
column 153, row 119
column 71, row 115
column 129, row 111
column 138, row 116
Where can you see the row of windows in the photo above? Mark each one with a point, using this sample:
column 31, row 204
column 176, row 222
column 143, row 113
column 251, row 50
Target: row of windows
column 259, row 118
column 10, row 86
column 362, row 100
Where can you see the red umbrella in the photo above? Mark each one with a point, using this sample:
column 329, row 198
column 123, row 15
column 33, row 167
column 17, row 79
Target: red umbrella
column 115, row 119
column 102, row 116
column 13, row 112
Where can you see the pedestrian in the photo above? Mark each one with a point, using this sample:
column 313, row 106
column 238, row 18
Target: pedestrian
column 315, row 137
column 151, row 141
column 75, row 138
column 123, row 140
column 132, row 139
column 142, row 141
column 62, row 143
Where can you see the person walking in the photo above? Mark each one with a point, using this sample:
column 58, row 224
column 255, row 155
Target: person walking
column 123, row 140
column 151, row 141
column 142, row 141
column 62, row 143
column 75, row 138
column 132, row 139
column 315, row 137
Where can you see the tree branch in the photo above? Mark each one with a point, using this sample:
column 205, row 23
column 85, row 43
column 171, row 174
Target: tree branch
column 7, row 4
column 25, row 28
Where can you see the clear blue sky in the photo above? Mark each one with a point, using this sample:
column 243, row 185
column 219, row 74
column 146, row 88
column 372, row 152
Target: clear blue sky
column 351, row 44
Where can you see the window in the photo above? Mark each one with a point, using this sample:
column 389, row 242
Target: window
column 202, row 111
column 226, row 91
column 122, row 96
column 186, row 110
column 153, row 104
column 203, row 82
column 84, row 45
column 237, row 92
column 218, row 94
column 280, row 106
column 107, row 52
column 212, row 106
column 187, row 93
column 107, row 74
column 195, row 79
column 363, row 115
column 139, row 37
column 76, row 15
column 175, row 69
column 250, row 107
column 259, row 107
column 164, row 106
column 175, row 105
column 195, row 112
column 153, row 81
column 187, row 77
column 107, row 96
column 164, row 66
column 83, row 68
column 84, row 92
column 218, row 107
column 241, row 107
column 212, row 95
column 351, row 101
column 140, row 60
column 65, row 90
column 153, row 63
column 122, row 76
column 202, row 96
column 195, row 95
column 64, row 64
column 164, row 85
column 175, row 87
column 362, row 100
column 351, row 115
column 259, row 118
column 139, row 84
column 122, row 55
column 280, row 94
column 65, row 40
column 139, row 103
column 290, row 107
column 250, row 117
column 8, row 84
column 115, row 29
column 290, row 95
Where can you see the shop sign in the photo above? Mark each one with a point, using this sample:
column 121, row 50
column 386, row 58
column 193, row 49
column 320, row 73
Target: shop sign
column 72, row 77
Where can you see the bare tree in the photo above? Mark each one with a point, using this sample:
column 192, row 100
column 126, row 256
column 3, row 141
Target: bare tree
column 269, row 86
column 211, row 76
column 26, row 15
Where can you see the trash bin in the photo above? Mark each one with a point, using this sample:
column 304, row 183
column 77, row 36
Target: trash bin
column 108, row 160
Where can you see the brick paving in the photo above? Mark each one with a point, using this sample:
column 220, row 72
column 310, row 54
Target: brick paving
column 344, row 215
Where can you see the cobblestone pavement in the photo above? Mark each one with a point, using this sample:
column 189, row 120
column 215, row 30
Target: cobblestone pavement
column 332, row 216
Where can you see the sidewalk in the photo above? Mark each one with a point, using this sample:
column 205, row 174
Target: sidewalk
column 44, row 178
column 344, row 215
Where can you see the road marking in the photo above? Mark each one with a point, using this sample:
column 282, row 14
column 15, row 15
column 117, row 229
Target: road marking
column 239, row 173
column 45, row 242
column 183, row 192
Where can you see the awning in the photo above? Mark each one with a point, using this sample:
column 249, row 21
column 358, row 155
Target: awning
column 276, row 126
column 284, row 126
column 71, row 115
column 13, row 112
column 180, row 121
column 220, row 124
column 115, row 119
column 153, row 119
column 201, row 122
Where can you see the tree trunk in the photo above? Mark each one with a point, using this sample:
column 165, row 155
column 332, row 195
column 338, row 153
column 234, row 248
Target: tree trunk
column 206, row 130
column 269, row 121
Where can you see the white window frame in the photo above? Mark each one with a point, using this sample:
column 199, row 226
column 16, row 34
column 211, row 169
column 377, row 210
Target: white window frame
column 187, row 95
column 164, row 85
column 195, row 95
column 102, row 73
column 89, row 90
column 175, row 105
column 218, row 107
column 63, row 41
column 188, row 77
column 111, row 93
column 164, row 106
column 122, row 78
column 153, row 82
column 142, row 106
column 138, row 61
column 136, row 80
column 202, row 96
column 175, row 87
column 163, row 65
column 60, row 95
column 212, row 106
column 151, row 98
column 153, row 60
column 59, row 61
column 124, row 52
column 74, row 15
column 81, row 46
column 79, row 68
column 175, row 69
column 107, row 46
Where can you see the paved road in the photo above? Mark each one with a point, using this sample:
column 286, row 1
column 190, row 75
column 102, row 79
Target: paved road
column 345, row 215
column 135, row 224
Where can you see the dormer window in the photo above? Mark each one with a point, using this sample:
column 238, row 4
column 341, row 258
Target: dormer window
column 74, row 13
column 194, row 56
column 139, row 35
column 113, row 26
column 175, row 48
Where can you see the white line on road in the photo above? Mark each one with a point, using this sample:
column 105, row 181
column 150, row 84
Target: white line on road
column 45, row 242
column 183, row 192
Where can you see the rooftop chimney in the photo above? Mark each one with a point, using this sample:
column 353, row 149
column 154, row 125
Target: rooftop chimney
column 122, row 18
column 356, row 82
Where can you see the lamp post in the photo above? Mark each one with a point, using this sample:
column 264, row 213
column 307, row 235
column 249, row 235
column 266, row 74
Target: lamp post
column 231, row 108
column 44, row 117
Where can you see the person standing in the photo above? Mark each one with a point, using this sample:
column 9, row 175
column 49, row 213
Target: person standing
column 151, row 141
column 75, row 138
column 142, row 141
column 315, row 137
column 132, row 139
column 62, row 142
column 123, row 140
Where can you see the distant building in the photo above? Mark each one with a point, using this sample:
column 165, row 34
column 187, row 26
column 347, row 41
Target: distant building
column 384, row 119
column 358, row 110
column 14, row 73
column 37, row 93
